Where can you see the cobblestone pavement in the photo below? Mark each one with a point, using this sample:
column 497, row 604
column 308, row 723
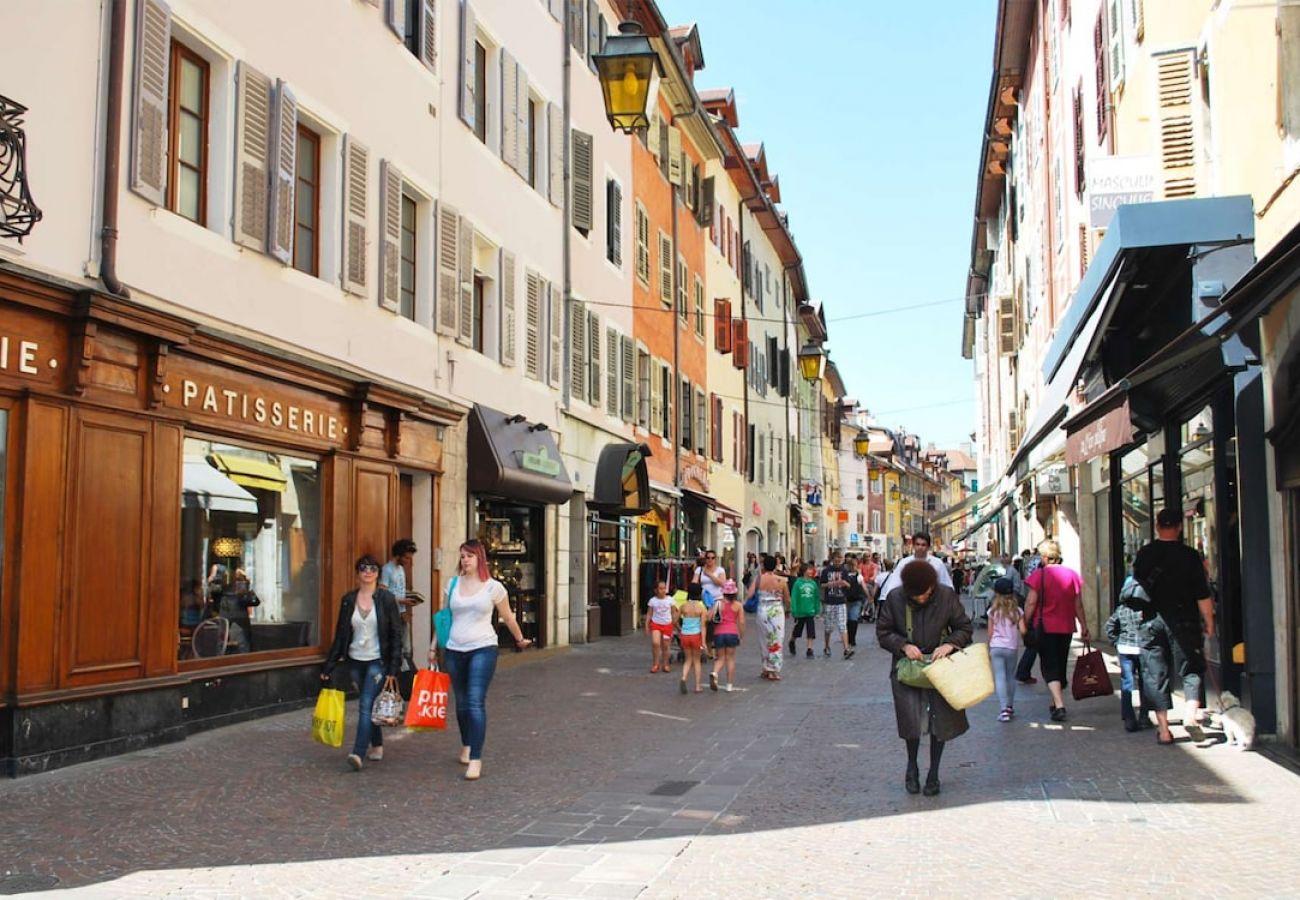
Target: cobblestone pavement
column 601, row 780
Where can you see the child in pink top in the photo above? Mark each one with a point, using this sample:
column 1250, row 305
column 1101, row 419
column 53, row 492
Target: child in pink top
column 1004, row 644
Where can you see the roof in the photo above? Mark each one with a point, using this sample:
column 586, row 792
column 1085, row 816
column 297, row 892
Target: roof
column 958, row 461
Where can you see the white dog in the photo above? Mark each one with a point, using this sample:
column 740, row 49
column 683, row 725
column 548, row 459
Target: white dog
column 1238, row 722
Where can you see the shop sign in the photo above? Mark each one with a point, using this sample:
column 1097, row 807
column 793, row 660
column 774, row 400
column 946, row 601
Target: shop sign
column 540, row 461
column 698, row 474
column 1054, row 480
column 809, row 527
column 842, row 515
column 1102, row 435
column 1114, row 181
column 227, row 397
column 854, row 538
column 31, row 348
column 756, row 509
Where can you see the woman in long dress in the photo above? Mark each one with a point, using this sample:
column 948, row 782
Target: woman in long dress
column 773, row 594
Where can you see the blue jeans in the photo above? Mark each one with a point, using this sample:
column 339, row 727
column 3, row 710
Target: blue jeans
column 1130, row 674
column 1004, row 674
column 471, row 673
column 369, row 676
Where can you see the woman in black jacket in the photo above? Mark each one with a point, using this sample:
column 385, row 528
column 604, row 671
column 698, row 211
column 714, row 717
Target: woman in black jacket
column 368, row 636
column 939, row 625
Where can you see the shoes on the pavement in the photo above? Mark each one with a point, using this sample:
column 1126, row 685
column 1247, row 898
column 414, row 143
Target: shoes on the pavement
column 475, row 770
column 354, row 761
column 1011, row 712
column 728, row 688
column 848, row 654
column 654, row 668
column 1131, row 725
column 912, row 781
column 1057, row 713
column 683, row 685
column 375, row 753
column 1004, row 716
column 1030, row 680
column 810, row 653
column 793, row 649
column 464, row 755
column 713, row 681
column 931, row 786
column 826, row 652
column 1165, row 743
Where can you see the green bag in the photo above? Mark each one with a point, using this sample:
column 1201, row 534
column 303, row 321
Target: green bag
column 911, row 672
column 442, row 618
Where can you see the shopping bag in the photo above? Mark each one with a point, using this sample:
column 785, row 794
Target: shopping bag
column 327, row 719
column 427, row 710
column 964, row 677
column 1090, row 676
column 912, row 672
column 388, row 708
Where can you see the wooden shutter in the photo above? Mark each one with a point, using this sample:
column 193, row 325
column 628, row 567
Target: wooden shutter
column 1083, row 250
column 533, row 327
column 785, row 372
column 593, row 32
column 704, row 211
column 722, row 326
column 555, row 141
column 688, row 185
column 612, row 369
column 153, row 37
column 428, row 34
column 390, row 236
column 665, row 269
column 578, row 351
column 554, row 312
column 509, row 114
column 1175, row 76
column 395, row 14
column 253, row 139
column 356, row 162
column 717, row 428
column 1099, row 73
column 577, row 27
column 594, row 371
column 284, row 174
column 665, row 142
column 525, row 159
column 772, row 371
column 683, row 305
column 1080, row 176
column 465, row 260
column 1007, row 326
column 582, row 180
column 675, row 156
column 448, row 270
column 468, row 73
column 628, row 376
column 614, row 222
column 1116, row 34
column 642, row 244
column 740, row 343
column 656, row 397
column 701, row 424
column 509, row 320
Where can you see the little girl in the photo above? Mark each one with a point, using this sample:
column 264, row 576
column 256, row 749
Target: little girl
column 691, row 622
column 661, row 627
column 1004, row 644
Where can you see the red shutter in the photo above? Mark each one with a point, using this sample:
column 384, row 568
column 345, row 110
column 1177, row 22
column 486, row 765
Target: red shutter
column 740, row 343
column 722, row 325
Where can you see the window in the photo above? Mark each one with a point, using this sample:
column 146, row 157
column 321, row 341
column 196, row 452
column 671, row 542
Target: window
column 875, row 483
column 701, row 423
column 642, row 244
column 187, row 124
column 699, row 307
column 862, row 522
column 875, row 520
column 665, row 269
column 614, row 225
column 666, row 393
column 250, row 531
column 859, row 491
column 642, row 389
column 407, row 307
column 480, row 91
column 684, row 407
column 476, row 313
column 683, row 302
column 762, row 459
column 528, row 164
column 306, row 202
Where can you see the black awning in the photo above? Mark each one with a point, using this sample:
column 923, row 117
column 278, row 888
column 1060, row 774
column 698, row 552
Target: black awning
column 622, row 486
column 510, row 457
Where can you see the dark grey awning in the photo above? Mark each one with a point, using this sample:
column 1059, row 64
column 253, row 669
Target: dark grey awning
column 622, row 486
column 511, row 457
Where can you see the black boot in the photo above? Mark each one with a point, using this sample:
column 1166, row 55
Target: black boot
column 912, row 781
column 931, row 784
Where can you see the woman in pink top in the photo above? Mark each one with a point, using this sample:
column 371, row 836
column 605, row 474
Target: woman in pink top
column 729, row 616
column 1056, row 601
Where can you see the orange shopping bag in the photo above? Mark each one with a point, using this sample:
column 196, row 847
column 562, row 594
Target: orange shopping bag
column 427, row 710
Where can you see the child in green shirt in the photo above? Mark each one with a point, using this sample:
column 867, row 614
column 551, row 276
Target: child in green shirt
column 805, row 606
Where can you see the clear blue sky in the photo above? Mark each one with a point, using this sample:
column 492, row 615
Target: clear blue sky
column 871, row 115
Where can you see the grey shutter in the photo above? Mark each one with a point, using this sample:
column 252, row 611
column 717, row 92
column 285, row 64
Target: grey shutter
column 675, row 156
column 555, row 140
column 593, row 351
column 582, row 180
column 395, row 14
column 577, row 351
column 611, row 372
column 628, row 375
column 448, row 270
column 465, row 258
column 523, row 162
column 656, row 397
column 356, row 160
column 153, row 36
column 429, row 33
column 577, row 34
column 390, row 236
column 556, row 8
column 614, row 218
column 593, row 31
column 509, row 118
column 253, row 139
column 704, row 212
column 509, row 320
column 284, row 175
column 533, row 328
column 554, row 313
column 468, row 73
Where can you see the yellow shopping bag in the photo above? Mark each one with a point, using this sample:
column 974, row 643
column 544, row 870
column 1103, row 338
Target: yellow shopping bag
column 327, row 720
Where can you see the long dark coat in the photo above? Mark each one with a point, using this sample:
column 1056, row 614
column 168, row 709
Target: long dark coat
column 919, row 710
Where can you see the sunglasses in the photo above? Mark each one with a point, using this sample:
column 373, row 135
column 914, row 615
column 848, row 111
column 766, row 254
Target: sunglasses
column 366, row 567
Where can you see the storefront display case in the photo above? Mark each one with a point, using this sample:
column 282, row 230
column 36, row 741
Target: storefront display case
column 513, row 536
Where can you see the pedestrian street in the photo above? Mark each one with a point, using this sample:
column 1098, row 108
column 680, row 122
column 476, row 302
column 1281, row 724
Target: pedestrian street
column 601, row 780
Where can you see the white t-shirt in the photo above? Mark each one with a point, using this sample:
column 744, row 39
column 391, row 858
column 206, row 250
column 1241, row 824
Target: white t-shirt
column 661, row 610
column 471, row 616
column 895, row 578
column 365, row 635
column 712, row 587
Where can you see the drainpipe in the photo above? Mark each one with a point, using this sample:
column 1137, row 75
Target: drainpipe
column 112, row 151
column 676, row 430
column 566, row 317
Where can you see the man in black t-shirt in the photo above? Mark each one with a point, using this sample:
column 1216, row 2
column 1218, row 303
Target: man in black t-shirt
column 835, row 595
column 1174, row 576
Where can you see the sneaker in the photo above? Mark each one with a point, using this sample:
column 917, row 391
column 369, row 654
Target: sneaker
column 713, row 681
column 1004, row 716
column 810, row 654
column 728, row 688
column 792, row 647
column 826, row 652
column 375, row 753
column 354, row 761
column 1057, row 713
column 848, row 654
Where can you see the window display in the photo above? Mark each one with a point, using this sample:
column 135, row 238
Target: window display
column 513, row 535
column 250, row 551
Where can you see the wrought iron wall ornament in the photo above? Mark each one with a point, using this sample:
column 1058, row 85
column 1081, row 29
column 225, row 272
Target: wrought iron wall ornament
column 18, row 212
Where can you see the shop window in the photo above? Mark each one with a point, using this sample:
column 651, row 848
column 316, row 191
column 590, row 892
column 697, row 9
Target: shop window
column 250, row 550
column 306, row 202
column 514, row 538
column 187, row 124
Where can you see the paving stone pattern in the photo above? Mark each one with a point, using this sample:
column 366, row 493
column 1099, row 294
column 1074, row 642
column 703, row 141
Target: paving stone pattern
column 602, row 781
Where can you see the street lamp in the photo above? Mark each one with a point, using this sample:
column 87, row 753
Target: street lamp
column 811, row 359
column 629, row 72
column 862, row 442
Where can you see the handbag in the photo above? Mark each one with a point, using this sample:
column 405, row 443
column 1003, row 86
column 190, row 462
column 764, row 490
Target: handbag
column 442, row 618
column 911, row 672
column 428, row 708
column 963, row 678
column 388, row 709
column 1091, row 679
column 327, row 718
